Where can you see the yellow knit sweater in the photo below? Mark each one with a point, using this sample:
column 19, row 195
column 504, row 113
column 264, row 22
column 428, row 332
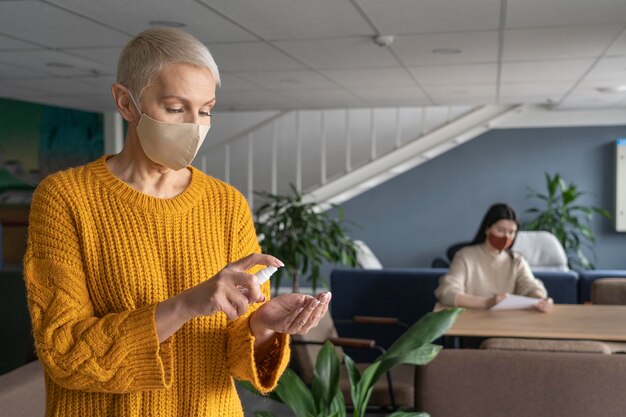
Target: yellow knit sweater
column 100, row 257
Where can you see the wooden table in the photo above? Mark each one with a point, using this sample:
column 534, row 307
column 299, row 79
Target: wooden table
column 566, row 321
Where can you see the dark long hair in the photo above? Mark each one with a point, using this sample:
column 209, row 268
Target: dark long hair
column 497, row 212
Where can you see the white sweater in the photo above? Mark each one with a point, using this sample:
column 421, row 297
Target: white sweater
column 476, row 271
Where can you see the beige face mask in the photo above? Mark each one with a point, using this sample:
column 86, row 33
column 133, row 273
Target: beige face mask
column 173, row 145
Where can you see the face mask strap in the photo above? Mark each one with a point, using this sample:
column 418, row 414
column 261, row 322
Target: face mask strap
column 133, row 100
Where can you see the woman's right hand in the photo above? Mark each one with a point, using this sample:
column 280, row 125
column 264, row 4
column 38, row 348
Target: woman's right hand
column 231, row 290
column 497, row 298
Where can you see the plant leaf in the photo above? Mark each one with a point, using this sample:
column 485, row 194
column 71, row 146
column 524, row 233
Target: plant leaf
column 405, row 350
column 325, row 381
column 354, row 376
column 294, row 394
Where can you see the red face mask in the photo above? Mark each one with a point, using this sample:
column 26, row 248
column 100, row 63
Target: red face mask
column 500, row 242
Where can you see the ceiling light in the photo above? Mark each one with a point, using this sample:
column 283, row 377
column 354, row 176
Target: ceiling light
column 615, row 89
column 446, row 51
column 383, row 40
column 59, row 65
column 167, row 23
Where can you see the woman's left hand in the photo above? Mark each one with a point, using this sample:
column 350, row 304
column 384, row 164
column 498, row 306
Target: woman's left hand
column 545, row 305
column 290, row 313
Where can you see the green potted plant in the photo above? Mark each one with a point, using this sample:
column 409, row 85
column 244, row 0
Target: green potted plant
column 302, row 236
column 563, row 216
column 325, row 399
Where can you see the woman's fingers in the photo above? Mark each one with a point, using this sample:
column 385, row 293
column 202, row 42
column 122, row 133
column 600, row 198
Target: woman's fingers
column 311, row 315
column 303, row 318
column 319, row 312
column 255, row 259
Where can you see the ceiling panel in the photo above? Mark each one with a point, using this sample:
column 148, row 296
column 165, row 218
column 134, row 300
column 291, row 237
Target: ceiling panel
column 233, row 82
column 393, row 96
column 424, row 16
column 10, row 71
column 41, row 23
column 611, row 68
column 60, row 86
column 250, row 56
column 372, row 78
column 91, row 103
column 320, row 53
column 345, row 53
column 534, row 92
column 100, row 85
column 475, row 47
column 583, row 101
column 462, row 93
column 324, row 98
column 7, row 43
column 536, row 13
column 619, row 47
column 589, row 88
column 541, row 71
column 40, row 61
column 18, row 92
column 555, row 43
column 289, row 19
column 254, row 100
column 456, row 74
column 134, row 16
column 106, row 56
column 282, row 80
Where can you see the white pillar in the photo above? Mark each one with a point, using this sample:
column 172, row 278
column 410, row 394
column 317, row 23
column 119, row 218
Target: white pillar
column 113, row 133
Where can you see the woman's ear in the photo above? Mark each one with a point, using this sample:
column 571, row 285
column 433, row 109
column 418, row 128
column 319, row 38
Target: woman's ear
column 123, row 102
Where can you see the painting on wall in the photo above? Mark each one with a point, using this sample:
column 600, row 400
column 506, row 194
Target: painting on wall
column 37, row 140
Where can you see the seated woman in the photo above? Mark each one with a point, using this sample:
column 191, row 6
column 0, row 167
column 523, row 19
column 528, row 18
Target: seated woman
column 483, row 273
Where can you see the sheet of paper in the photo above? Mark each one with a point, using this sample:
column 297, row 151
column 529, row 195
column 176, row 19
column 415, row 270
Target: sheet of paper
column 515, row 302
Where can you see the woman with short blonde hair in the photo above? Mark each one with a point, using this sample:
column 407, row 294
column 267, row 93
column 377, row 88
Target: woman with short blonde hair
column 139, row 267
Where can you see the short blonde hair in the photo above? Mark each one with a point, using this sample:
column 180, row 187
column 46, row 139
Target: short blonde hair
column 145, row 56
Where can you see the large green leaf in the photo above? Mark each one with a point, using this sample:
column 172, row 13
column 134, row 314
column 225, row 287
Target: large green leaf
column 338, row 405
column 325, row 383
column 294, row 394
column 412, row 347
column 354, row 376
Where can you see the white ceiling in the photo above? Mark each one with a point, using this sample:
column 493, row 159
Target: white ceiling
column 288, row 54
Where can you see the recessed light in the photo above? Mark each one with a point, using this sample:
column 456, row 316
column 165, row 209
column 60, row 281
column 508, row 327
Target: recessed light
column 58, row 65
column 446, row 51
column 167, row 23
column 613, row 89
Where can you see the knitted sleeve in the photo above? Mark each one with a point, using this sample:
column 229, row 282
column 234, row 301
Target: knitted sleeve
column 116, row 353
column 453, row 282
column 243, row 364
column 525, row 282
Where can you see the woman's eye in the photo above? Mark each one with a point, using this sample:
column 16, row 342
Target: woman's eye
column 205, row 114
column 170, row 110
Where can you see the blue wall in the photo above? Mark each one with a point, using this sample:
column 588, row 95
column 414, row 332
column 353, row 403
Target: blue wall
column 413, row 218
